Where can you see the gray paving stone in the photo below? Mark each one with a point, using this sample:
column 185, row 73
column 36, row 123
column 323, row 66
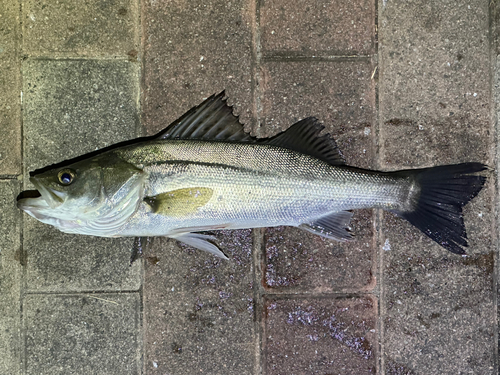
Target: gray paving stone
column 320, row 336
column 83, row 334
column 437, row 308
column 70, row 108
column 84, row 28
column 10, row 84
column 199, row 310
column 434, row 90
column 10, row 280
column 317, row 28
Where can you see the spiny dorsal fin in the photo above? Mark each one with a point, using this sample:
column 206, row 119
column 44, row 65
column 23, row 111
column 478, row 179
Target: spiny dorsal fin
column 211, row 120
column 214, row 120
column 303, row 137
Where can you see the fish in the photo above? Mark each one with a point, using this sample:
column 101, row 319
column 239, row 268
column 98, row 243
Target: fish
column 203, row 173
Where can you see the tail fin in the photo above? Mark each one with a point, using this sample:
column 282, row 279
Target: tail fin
column 444, row 191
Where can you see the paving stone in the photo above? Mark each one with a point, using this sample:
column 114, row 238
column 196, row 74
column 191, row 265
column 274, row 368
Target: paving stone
column 297, row 261
column 199, row 310
column 320, row 335
column 82, row 334
column 437, row 307
column 84, row 28
column 323, row 27
column 340, row 94
column 193, row 50
column 9, row 29
column 70, row 108
column 11, row 261
column 434, row 92
column 10, row 83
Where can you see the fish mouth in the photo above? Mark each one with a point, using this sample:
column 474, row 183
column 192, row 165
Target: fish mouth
column 32, row 201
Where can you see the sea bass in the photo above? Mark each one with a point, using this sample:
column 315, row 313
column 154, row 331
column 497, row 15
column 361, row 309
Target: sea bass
column 204, row 173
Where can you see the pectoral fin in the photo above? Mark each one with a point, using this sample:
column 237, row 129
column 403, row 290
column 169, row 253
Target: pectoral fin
column 179, row 202
column 200, row 241
column 334, row 226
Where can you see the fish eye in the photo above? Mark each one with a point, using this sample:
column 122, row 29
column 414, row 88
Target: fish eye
column 66, row 176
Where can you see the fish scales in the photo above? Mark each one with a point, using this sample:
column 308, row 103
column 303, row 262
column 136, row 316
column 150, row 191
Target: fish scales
column 204, row 173
column 254, row 185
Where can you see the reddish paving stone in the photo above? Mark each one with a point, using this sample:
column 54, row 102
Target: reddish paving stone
column 320, row 336
column 192, row 50
column 199, row 310
column 340, row 94
column 298, row 261
column 324, row 27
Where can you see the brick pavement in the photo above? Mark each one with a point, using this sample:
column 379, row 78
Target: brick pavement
column 398, row 84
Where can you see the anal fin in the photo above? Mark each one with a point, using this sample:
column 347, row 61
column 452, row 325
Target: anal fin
column 334, row 226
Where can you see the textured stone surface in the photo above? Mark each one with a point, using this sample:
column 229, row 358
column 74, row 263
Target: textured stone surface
column 437, row 308
column 320, row 27
column 297, row 261
column 82, row 334
column 434, row 92
column 10, row 84
column 340, row 94
column 193, row 50
column 70, row 108
column 11, row 261
column 88, row 27
column 199, row 310
column 320, row 336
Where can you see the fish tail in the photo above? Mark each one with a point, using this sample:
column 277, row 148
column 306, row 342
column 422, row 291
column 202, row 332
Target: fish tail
column 436, row 204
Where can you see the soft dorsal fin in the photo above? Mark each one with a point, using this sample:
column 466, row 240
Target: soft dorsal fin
column 303, row 137
column 211, row 120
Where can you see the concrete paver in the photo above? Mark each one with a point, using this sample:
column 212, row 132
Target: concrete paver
column 339, row 93
column 76, row 107
column 11, row 259
column 437, row 309
column 195, row 48
column 321, row 27
column 320, row 335
column 84, row 28
column 299, row 262
column 82, row 334
column 10, row 82
column 199, row 310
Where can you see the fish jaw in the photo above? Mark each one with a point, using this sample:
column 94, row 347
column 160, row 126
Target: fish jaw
column 38, row 207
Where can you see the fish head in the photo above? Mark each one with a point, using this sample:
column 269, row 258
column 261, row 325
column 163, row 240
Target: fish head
column 94, row 196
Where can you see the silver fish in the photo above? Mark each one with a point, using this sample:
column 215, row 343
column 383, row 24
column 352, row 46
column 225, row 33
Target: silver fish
column 203, row 173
